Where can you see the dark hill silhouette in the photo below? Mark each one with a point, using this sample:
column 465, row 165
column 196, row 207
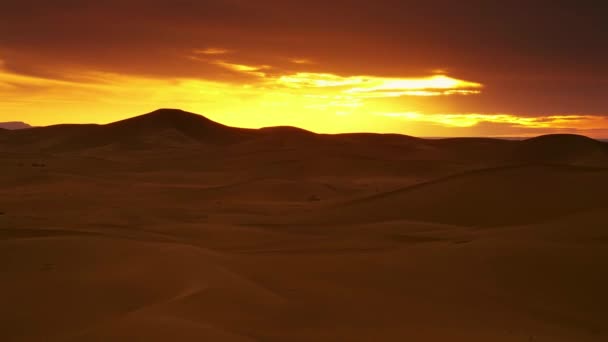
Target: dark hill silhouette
column 191, row 124
column 161, row 128
column 387, row 141
column 14, row 125
column 172, row 124
column 285, row 136
column 173, row 128
column 46, row 138
column 561, row 148
column 286, row 130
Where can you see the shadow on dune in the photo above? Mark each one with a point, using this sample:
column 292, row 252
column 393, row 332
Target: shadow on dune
column 489, row 197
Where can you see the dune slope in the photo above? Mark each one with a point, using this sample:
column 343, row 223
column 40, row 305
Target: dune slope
column 489, row 197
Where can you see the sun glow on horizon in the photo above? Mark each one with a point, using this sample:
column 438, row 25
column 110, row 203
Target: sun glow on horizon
column 320, row 102
column 473, row 119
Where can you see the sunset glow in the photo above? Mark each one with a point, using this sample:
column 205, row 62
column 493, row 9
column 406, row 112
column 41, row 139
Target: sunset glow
column 333, row 78
column 325, row 103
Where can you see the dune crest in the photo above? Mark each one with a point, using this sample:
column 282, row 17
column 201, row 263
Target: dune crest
column 177, row 128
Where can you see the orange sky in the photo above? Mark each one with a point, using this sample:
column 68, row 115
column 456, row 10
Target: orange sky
column 433, row 69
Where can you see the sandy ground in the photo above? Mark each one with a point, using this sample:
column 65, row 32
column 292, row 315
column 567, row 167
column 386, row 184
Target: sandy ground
column 259, row 241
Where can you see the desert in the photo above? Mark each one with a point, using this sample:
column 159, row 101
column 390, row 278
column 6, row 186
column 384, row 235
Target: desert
column 170, row 226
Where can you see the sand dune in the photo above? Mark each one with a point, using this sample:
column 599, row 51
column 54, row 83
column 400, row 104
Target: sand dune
column 170, row 227
column 118, row 284
column 564, row 149
column 499, row 196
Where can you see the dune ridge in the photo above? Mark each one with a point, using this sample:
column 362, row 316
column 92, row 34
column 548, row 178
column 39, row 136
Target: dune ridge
column 198, row 128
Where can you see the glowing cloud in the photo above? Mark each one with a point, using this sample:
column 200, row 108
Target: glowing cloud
column 301, row 61
column 241, row 68
column 374, row 87
column 212, row 51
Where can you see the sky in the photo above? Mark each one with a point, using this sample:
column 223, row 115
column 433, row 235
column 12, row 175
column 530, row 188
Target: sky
column 425, row 68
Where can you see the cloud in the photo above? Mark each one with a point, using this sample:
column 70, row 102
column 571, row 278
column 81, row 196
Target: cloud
column 301, row 61
column 242, row 68
column 212, row 51
column 380, row 87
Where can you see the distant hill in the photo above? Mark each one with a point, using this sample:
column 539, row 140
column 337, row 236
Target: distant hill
column 561, row 149
column 161, row 128
column 14, row 125
column 363, row 153
column 165, row 127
